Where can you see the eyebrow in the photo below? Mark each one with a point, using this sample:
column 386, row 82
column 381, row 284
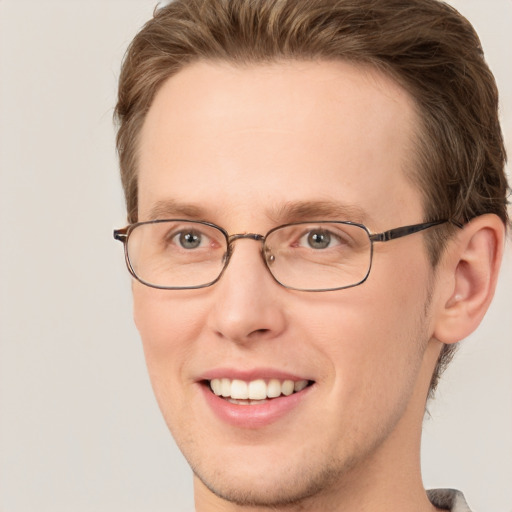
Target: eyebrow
column 291, row 211
column 296, row 211
column 170, row 208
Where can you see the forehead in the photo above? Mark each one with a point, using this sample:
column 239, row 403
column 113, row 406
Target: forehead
column 262, row 135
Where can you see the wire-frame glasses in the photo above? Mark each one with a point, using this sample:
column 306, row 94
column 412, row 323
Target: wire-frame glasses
column 310, row 256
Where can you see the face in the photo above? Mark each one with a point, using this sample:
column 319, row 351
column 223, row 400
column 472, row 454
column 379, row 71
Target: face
column 250, row 148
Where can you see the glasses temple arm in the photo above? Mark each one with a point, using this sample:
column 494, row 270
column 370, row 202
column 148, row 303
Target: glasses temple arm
column 408, row 230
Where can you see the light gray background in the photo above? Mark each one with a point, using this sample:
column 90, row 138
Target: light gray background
column 79, row 427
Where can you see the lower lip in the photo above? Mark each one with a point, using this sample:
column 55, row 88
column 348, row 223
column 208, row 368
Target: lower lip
column 253, row 416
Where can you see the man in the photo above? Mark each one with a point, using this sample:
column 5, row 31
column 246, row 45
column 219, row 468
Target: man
column 317, row 209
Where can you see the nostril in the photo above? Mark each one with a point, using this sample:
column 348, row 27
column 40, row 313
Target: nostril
column 258, row 332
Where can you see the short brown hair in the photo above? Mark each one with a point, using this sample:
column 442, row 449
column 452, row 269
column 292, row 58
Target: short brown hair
column 425, row 45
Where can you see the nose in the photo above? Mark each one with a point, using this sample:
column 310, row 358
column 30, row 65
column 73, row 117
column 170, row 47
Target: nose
column 246, row 300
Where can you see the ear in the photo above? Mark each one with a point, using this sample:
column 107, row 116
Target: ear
column 467, row 277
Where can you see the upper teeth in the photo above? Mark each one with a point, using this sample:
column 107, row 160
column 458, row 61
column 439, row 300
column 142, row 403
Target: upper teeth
column 255, row 389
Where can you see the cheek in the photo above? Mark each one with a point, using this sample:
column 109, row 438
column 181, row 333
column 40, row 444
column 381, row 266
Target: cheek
column 168, row 326
column 374, row 336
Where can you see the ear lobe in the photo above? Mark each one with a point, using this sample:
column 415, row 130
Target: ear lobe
column 470, row 268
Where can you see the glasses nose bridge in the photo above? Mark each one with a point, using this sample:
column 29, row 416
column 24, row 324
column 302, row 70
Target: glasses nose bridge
column 251, row 236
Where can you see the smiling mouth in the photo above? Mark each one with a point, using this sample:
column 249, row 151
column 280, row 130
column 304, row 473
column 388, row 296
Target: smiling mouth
column 255, row 391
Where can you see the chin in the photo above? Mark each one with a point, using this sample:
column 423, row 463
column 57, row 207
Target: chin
column 251, row 485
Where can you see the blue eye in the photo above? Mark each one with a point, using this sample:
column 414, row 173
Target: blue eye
column 319, row 239
column 189, row 239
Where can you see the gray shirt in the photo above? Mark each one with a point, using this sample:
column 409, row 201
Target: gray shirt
column 448, row 499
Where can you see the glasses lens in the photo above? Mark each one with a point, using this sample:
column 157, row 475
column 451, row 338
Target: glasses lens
column 176, row 254
column 319, row 256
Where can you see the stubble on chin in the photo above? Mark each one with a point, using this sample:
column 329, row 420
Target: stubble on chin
column 291, row 488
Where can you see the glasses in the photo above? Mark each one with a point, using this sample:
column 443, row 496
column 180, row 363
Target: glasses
column 308, row 256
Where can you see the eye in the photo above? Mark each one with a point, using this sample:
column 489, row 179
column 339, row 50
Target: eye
column 319, row 239
column 190, row 239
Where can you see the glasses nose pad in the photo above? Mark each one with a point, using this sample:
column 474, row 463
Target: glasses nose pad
column 268, row 256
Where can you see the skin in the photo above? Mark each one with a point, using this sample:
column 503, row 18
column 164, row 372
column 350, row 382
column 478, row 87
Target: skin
column 239, row 144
